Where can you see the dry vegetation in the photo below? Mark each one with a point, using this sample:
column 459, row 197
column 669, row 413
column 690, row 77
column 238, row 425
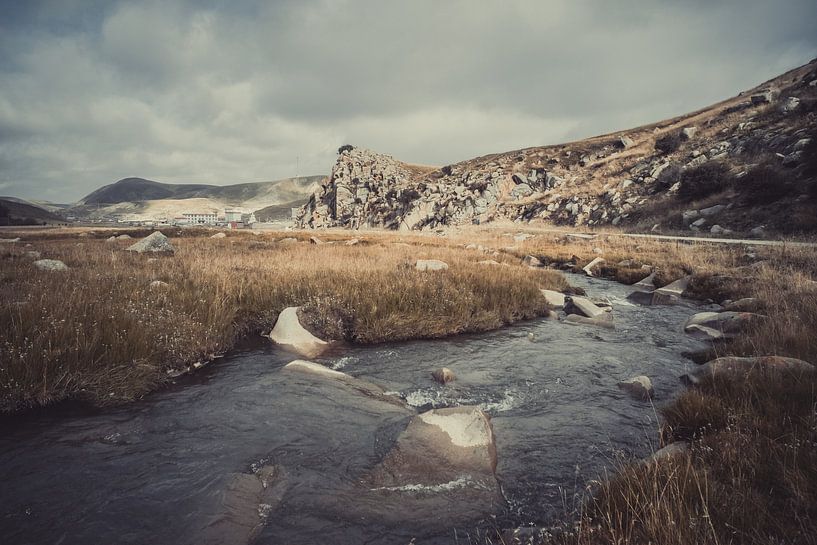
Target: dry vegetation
column 750, row 475
column 98, row 332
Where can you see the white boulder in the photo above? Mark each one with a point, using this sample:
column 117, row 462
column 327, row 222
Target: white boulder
column 430, row 265
column 50, row 265
column 289, row 332
column 155, row 243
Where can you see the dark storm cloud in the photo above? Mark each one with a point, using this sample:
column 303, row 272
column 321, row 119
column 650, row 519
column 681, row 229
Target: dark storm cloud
column 223, row 92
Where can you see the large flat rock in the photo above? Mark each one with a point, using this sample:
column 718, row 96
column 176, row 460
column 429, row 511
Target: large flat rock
column 440, row 447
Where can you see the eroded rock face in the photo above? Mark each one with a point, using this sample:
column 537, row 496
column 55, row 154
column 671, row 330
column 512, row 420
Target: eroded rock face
column 438, row 448
column 737, row 367
column 289, row 332
column 155, row 243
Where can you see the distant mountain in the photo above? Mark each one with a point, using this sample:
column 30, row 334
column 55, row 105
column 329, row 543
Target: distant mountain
column 14, row 211
column 139, row 189
column 278, row 212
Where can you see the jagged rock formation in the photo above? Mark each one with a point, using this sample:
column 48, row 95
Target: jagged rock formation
column 613, row 179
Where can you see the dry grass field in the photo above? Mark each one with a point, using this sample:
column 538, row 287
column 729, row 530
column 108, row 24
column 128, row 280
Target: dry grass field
column 99, row 332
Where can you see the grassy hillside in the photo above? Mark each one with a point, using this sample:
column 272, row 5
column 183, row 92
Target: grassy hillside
column 16, row 212
column 139, row 189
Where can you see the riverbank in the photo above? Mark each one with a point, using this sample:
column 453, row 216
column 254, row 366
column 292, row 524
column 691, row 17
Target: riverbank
column 116, row 325
column 744, row 466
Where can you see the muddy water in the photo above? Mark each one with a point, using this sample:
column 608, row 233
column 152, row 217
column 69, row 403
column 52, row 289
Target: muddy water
column 156, row 471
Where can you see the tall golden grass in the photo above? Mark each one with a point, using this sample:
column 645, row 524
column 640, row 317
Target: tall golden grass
column 99, row 332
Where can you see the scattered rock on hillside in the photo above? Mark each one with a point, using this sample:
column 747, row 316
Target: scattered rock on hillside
column 639, row 387
column 443, row 375
column 532, row 261
column 50, row 265
column 289, row 332
column 123, row 237
column 352, row 242
column 155, row 243
column 738, row 367
column 488, row 262
column 288, row 240
column 219, row 235
column 430, row 265
column 157, row 285
column 315, row 240
column 111, row 239
column 9, row 240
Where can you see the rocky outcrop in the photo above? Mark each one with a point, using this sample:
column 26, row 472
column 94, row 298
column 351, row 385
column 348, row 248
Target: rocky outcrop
column 155, row 243
column 365, row 189
column 607, row 180
column 289, row 332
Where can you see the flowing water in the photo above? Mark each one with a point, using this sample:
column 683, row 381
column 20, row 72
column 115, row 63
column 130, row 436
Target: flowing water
column 156, row 471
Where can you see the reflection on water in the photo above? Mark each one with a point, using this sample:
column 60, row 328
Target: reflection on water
column 156, row 471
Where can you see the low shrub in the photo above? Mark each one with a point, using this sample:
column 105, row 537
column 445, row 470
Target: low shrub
column 345, row 147
column 669, row 143
column 764, row 184
column 704, row 180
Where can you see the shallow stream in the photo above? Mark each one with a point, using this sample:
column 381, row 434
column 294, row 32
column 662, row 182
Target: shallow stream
column 155, row 471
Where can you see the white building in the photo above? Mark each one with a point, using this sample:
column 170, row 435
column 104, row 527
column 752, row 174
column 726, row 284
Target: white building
column 232, row 215
column 198, row 218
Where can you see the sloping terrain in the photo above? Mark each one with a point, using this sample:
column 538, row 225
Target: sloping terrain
column 145, row 199
column 15, row 211
column 743, row 165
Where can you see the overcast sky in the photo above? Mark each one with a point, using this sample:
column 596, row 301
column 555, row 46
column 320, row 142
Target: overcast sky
column 232, row 91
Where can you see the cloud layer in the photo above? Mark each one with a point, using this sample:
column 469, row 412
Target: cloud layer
column 229, row 92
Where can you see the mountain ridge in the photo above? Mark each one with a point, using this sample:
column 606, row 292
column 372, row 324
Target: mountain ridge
column 639, row 177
